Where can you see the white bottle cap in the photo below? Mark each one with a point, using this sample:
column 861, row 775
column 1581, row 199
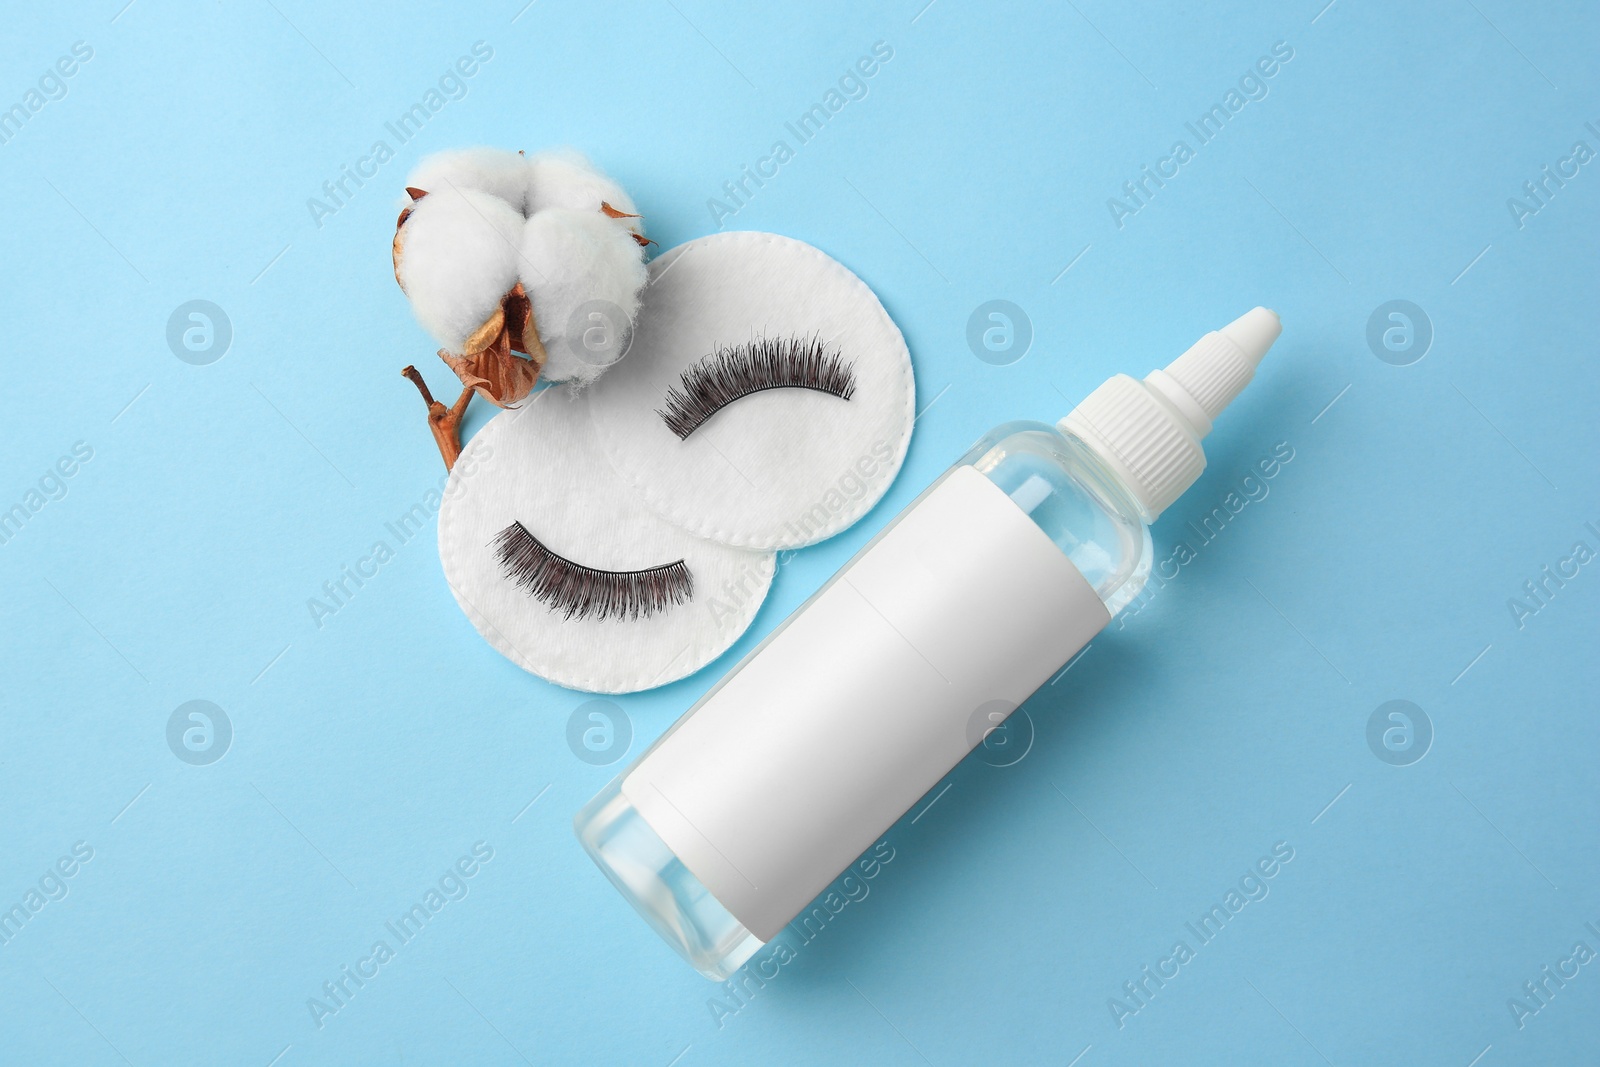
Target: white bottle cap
column 1149, row 432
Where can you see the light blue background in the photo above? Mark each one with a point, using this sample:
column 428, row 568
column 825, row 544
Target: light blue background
column 370, row 753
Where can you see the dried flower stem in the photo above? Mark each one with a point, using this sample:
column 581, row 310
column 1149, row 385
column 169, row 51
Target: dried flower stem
column 491, row 369
column 444, row 422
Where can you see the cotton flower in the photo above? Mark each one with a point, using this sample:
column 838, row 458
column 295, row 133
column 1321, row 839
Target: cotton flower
column 456, row 259
column 501, row 174
column 505, row 259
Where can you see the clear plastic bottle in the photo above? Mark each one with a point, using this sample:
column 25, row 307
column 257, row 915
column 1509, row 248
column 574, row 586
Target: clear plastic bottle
column 1091, row 485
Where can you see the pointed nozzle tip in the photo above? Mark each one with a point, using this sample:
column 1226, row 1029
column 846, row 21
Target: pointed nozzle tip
column 1254, row 332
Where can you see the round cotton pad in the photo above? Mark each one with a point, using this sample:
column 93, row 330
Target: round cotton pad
column 593, row 591
column 727, row 326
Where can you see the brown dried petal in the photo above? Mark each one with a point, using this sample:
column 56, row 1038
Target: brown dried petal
column 487, row 334
column 495, row 373
column 397, row 250
column 518, row 311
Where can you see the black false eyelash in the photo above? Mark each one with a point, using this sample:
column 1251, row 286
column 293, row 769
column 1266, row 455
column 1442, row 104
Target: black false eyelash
column 733, row 372
column 580, row 592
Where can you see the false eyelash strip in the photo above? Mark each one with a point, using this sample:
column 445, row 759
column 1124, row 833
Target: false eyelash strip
column 733, row 372
column 580, row 592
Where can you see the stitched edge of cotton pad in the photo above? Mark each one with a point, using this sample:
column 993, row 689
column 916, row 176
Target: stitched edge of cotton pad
column 673, row 510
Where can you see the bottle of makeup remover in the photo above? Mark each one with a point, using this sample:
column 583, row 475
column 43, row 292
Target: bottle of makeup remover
column 870, row 693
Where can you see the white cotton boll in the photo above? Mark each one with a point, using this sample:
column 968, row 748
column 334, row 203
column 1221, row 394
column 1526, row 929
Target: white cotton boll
column 568, row 180
column 569, row 258
column 488, row 170
column 456, row 259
